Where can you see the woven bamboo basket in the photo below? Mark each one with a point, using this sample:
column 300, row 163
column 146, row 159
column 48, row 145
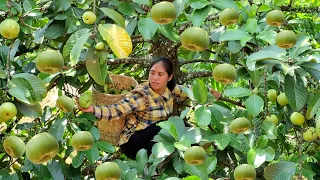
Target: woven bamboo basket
column 110, row 130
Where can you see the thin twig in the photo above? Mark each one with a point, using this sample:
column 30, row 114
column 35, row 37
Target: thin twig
column 265, row 91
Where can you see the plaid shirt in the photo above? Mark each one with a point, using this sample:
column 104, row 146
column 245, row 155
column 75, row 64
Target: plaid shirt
column 138, row 116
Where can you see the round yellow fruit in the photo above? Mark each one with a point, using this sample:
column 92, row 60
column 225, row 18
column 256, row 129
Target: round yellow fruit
column 195, row 155
column 224, row 73
column 41, row 148
column 82, row 141
column 9, row 29
column 14, row 146
column 89, row 17
column 244, row 172
column 273, row 118
column 194, row 39
column 108, row 170
column 163, row 12
column 7, row 111
column 100, row 46
column 286, row 39
column 310, row 134
column 272, row 95
column 49, row 61
column 239, row 125
column 275, row 18
column 282, row 99
column 297, row 118
column 65, row 103
column 228, row 16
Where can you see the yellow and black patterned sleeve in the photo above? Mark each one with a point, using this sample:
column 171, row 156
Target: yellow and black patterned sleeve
column 179, row 94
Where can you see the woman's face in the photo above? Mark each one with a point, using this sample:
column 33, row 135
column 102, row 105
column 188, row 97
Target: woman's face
column 158, row 77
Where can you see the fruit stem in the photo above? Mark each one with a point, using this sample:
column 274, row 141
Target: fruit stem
column 265, row 91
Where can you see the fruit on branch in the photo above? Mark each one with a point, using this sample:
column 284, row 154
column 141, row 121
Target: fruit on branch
column 228, row 16
column 286, row 39
column 282, row 99
column 163, row 12
column 89, row 17
column 82, row 141
column 310, row 134
column 108, row 170
column 245, row 172
column 195, row 155
column 9, row 29
column 273, row 118
column 41, row 148
column 239, row 125
column 224, row 73
column 100, row 46
column 272, row 95
column 275, row 18
column 7, row 111
column 14, row 146
column 65, row 103
column 297, row 118
column 194, row 39
column 49, row 61
column 85, row 100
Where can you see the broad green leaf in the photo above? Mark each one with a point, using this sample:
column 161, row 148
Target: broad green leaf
column 270, row 130
column 234, row 46
column 78, row 159
column 203, row 116
column 131, row 26
column 216, row 33
column 142, row 159
column 142, row 1
column 251, row 25
column 62, row 5
column 200, row 15
column 82, row 121
column 117, row 38
column 21, row 93
column 262, row 142
column 302, row 45
column 131, row 174
column 55, row 170
column 127, row 9
column 313, row 106
column 313, row 69
column 168, row 32
column 178, row 163
column 33, row 111
column 179, row 125
column 200, row 91
column 54, row 31
column 270, row 153
column 58, row 128
column 147, row 27
column 77, row 48
column 282, row 170
column 191, row 178
column 180, row 5
column 211, row 164
column 264, row 57
column 105, row 146
column 237, row 92
column 198, row 4
column 170, row 128
column 28, row 5
column 200, row 171
column 97, row 70
column 92, row 154
column 221, row 141
column 95, row 132
column 254, row 105
column 72, row 41
column 216, row 118
column 193, row 135
column 233, row 35
column 114, row 15
column 189, row 92
column 269, row 36
column 295, row 91
column 264, row 8
column 223, row 4
column 41, row 171
column 182, row 145
column 162, row 149
column 279, row 2
column 257, row 156
column 123, row 167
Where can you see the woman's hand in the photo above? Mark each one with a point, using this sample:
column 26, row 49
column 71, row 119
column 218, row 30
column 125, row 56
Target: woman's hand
column 89, row 109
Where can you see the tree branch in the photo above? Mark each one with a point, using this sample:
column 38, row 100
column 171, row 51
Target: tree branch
column 199, row 60
column 188, row 76
column 142, row 61
column 301, row 9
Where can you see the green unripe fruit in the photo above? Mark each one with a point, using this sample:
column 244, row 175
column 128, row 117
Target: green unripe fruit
column 224, row 73
column 49, row 61
column 239, row 125
column 108, row 170
column 9, row 29
column 89, row 17
column 282, row 99
column 275, row 18
column 310, row 134
column 82, row 141
column 14, row 146
column 244, row 172
column 65, row 103
column 272, row 95
column 85, row 100
column 7, row 111
column 228, row 16
column 195, row 155
column 194, row 39
column 273, row 118
column 100, row 46
column 286, row 39
column 163, row 12
column 297, row 118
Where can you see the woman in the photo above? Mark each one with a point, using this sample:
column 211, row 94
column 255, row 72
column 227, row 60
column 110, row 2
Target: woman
column 141, row 117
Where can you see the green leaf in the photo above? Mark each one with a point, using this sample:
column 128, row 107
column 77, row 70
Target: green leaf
column 193, row 135
column 223, row 4
column 295, row 91
column 211, row 164
column 147, row 27
column 77, row 48
column 270, row 130
column 72, row 41
column 95, row 132
column 234, row 46
column 216, row 118
column 200, row 15
column 54, row 31
column 182, row 145
column 142, row 1
column 251, row 25
column 28, row 5
column 33, row 111
column 58, row 127
column 41, row 171
column 114, row 15
column 131, row 26
column 200, row 91
column 237, row 92
column 168, row 32
column 257, row 156
column 282, row 170
column 313, row 106
column 142, row 160
column 162, row 149
column 81, row 120
column 192, row 178
column 264, row 57
column 179, row 125
column 279, row 2
column 131, row 174
column 221, row 141
column 55, row 170
column 127, row 9
column 232, row 35
column 62, row 5
column 262, row 141
column 203, row 116
column 264, row 8
column 200, row 171
column 198, row 4
column 269, row 36
column 170, row 128
column 92, row 154
column 254, row 105
column 313, row 69
column 78, row 159
column 105, row 146
column 6, row 176
column 97, row 71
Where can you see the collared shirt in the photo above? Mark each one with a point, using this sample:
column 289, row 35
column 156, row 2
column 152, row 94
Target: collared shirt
column 138, row 115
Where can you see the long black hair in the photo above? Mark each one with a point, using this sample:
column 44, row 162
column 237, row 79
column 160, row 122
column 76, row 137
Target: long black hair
column 169, row 68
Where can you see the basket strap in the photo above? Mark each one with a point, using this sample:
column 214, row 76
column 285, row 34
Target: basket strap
column 146, row 101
